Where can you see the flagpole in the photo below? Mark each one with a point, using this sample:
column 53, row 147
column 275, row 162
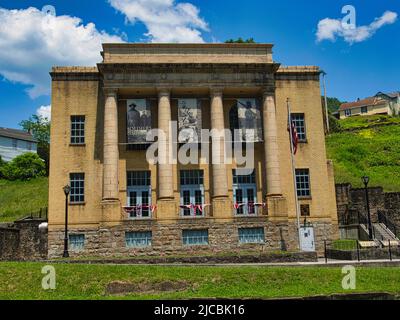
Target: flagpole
column 294, row 172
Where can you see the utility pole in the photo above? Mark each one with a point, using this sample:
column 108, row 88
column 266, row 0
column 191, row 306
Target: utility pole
column 326, row 101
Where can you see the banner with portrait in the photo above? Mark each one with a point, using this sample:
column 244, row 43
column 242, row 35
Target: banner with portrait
column 189, row 118
column 138, row 120
column 249, row 118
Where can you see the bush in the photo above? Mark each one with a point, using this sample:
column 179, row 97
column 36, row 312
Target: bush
column 2, row 163
column 334, row 124
column 24, row 167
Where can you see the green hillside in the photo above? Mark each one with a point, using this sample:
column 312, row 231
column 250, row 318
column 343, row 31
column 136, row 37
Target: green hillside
column 19, row 198
column 367, row 145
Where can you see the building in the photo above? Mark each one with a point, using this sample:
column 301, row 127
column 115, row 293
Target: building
column 381, row 103
column 393, row 101
column 120, row 203
column 15, row 142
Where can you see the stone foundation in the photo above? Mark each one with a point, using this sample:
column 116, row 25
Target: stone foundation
column 167, row 238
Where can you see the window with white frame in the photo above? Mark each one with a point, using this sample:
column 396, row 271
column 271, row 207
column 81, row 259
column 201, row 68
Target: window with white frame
column 347, row 112
column 251, row 235
column 138, row 239
column 195, row 237
column 300, row 124
column 77, row 183
column 139, row 194
column 303, row 183
column 76, row 242
column 192, row 192
column 77, row 129
column 244, row 193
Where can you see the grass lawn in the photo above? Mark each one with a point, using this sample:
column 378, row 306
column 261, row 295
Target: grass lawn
column 373, row 151
column 23, row 281
column 19, row 198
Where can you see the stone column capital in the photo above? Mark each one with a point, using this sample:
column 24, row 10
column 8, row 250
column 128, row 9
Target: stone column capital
column 110, row 92
column 163, row 92
column 268, row 92
column 216, row 91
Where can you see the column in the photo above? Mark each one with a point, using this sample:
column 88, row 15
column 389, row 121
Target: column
column 165, row 169
column 271, row 146
column 111, row 153
column 220, row 183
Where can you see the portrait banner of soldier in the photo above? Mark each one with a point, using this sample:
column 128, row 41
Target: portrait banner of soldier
column 190, row 124
column 250, row 124
column 138, row 120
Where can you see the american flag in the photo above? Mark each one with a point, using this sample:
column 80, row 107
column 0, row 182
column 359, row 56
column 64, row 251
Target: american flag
column 294, row 137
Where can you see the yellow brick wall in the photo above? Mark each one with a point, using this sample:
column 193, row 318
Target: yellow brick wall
column 305, row 97
column 75, row 98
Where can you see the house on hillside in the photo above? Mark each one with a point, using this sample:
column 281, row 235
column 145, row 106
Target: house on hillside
column 393, row 100
column 15, row 142
column 381, row 103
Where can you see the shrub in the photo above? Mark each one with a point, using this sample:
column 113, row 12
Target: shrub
column 2, row 163
column 24, row 167
column 334, row 124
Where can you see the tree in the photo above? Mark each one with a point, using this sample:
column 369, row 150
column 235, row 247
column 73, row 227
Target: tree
column 240, row 40
column 40, row 129
column 24, row 167
column 333, row 104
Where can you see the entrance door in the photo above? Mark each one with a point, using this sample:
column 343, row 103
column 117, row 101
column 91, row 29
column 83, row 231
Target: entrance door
column 307, row 239
column 139, row 199
column 245, row 198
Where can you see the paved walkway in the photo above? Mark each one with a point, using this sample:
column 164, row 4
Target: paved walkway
column 319, row 263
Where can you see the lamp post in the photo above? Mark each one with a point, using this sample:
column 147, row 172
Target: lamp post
column 365, row 180
column 67, row 190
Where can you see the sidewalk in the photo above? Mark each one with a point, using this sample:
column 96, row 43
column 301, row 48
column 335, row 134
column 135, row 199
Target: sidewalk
column 320, row 263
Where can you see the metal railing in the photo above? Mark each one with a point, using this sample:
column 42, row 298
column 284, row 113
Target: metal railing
column 42, row 213
column 383, row 218
column 249, row 209
column 139, row 212
column 195, row 210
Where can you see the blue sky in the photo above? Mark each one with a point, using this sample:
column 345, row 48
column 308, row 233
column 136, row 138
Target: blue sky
column 358, row 63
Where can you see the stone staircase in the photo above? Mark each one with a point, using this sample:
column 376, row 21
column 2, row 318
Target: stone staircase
column 380, row 232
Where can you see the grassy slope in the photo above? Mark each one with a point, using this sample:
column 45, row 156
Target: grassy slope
column 23, row 281
column 19, row 198
column 367, row 149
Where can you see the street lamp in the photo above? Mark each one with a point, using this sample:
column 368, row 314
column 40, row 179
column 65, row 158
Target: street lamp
column 67, row 190
column 365, row 180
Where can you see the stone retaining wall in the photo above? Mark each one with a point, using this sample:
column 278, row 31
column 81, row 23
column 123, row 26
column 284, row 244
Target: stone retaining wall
column 23, row 240
column 351, row 201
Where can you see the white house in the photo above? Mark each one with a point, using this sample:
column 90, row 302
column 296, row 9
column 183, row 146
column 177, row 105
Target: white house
column 15, row 142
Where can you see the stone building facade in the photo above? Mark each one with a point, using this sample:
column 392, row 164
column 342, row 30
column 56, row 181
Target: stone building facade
column 122, row 204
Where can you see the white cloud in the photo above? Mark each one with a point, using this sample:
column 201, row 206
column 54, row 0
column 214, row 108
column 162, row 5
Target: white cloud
column 165, row 20
column 44, row 111
column 31, row 42
column 330, row 29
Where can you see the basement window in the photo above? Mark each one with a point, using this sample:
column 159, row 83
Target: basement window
column 251, row 235
column 76, row 242
column 195, row 237
column 138, row 239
